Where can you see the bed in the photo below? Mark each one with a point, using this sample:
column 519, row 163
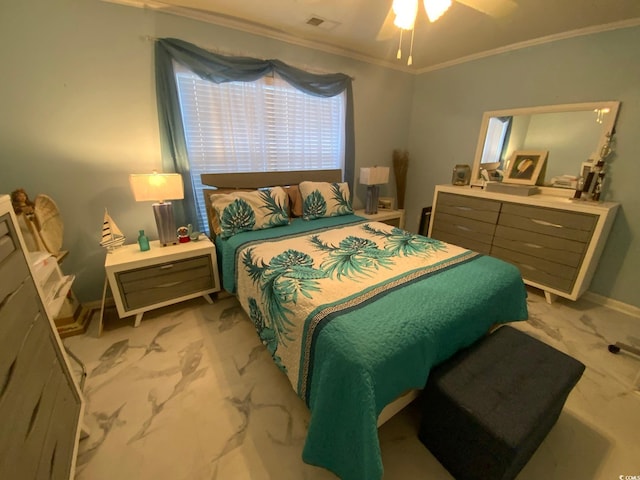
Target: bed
column 354, row 312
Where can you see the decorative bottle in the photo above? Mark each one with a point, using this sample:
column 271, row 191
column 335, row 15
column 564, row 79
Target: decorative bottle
column 143, row 241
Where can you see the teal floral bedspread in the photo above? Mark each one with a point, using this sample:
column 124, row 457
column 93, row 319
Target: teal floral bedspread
column 357, row 314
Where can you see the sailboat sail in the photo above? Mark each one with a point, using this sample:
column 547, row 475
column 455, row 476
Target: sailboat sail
column 112, row 237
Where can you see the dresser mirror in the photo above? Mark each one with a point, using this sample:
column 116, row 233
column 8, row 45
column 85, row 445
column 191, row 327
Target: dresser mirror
column 571, row 133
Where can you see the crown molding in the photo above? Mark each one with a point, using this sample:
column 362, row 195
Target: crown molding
column 264, row 31
column 634, row 22
column 260, row 30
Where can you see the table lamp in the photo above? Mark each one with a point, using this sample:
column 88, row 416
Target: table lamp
column 159, row 187
column 372, row 177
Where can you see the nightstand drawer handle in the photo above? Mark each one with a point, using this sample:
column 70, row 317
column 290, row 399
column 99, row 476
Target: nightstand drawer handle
column 533, row 245
column 460, row 207
column 166, row 267
column 546, row 224
column 462, row 227
column 528, row 267
column 170, row 284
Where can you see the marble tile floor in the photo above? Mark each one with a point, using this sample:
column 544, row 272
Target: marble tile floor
column 192, row 394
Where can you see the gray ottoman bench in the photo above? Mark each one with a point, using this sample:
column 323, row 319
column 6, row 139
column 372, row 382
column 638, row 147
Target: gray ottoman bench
column 486, row 410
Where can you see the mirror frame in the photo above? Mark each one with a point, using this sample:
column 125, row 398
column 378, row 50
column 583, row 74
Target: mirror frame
column 607, row 127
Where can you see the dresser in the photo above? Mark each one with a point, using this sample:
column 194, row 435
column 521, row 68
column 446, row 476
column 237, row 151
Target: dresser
column 142, row 281
column 40, row 403
column 555, row 241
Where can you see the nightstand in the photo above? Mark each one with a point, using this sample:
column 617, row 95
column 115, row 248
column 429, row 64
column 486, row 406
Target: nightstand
column 161, row 276
column 394, row 218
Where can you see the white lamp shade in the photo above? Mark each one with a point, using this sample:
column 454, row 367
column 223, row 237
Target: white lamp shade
column 374, row 175
column 156, row 187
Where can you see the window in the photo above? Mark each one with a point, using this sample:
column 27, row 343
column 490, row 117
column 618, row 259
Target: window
column 266, row 125
column 497, row 133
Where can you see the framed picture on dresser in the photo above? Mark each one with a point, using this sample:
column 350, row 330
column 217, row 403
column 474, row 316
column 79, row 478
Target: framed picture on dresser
column 525, row 166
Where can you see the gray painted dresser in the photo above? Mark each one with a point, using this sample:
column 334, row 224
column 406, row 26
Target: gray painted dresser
column 556, row 242
column 40, row 403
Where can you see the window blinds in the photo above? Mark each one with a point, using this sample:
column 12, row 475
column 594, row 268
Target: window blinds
column 266, row 125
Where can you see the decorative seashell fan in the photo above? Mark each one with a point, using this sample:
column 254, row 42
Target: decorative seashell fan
column 50, row 223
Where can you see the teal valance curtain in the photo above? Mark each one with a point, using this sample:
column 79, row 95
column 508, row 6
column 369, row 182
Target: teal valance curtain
column 219, row 69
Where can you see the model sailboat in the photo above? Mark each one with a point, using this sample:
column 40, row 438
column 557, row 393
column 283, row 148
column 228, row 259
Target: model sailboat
column 112, row 237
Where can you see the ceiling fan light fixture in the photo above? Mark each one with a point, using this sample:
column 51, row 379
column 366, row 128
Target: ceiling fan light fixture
column 406, row 12
column 436, row 8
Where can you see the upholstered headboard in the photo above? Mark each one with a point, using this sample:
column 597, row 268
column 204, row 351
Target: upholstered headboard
column 255, row 180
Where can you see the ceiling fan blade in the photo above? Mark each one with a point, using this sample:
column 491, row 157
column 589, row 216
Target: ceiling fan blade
column 388, row 29
column 493, row 8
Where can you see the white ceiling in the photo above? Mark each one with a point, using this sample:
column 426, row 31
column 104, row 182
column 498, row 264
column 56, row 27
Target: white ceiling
column 462, row 33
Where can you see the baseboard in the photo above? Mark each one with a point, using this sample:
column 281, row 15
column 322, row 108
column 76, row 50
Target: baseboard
column 97, row 304
column 74, row 325
column 612, row 304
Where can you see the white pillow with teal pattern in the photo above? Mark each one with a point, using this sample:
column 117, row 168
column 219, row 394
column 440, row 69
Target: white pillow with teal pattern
column 322, row 199
column 255, row 210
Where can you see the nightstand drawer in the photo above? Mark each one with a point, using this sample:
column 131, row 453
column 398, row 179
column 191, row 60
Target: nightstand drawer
column 166, row 281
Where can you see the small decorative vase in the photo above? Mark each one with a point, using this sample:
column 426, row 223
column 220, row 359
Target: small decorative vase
column 143, row 242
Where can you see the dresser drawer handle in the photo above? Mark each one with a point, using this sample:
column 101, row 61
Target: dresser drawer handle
column 169, row 284
column 166, row 267
column 546, row 224
column 460, row 207
column 462, row 227
column 532, row 245
column 528, row 267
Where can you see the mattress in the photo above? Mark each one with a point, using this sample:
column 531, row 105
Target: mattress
column 355, row 313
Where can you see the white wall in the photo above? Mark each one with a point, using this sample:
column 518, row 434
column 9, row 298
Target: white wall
column 447, row 110
column 79, row 111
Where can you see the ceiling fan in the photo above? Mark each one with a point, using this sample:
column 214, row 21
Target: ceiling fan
column 403, row 14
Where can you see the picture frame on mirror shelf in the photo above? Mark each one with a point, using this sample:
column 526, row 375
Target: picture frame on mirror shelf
column 525, row 167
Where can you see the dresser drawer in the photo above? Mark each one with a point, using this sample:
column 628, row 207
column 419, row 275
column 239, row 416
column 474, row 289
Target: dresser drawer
column 462, row 231
column 555, row 242
column 469, row 207
column 538, row 270
column 4, row 225
column 13, row 268
column 18, row 313
column 163, row 282
column 23, row 384
column 7, row 243
column 58, row 446
column 556, row 249
column 463, row 242
column 548, row 221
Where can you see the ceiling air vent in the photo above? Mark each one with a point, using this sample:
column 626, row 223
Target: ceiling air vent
column 323, row 23
column 315, row 21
